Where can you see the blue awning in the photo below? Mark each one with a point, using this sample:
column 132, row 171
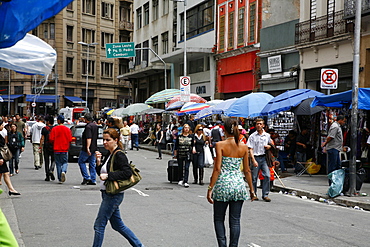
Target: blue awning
column 12, row 97
column 41, row 98
column 75, row 99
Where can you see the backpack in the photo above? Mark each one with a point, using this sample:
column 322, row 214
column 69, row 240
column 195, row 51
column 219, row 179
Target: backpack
column 13, row 141
column 47, row 144
column 216, row 136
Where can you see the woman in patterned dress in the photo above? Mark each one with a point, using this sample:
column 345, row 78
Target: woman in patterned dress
column 227, row 187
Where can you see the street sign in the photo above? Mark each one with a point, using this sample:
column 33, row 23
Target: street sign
column 329, row 78
column 185, row 88
column 120, row 50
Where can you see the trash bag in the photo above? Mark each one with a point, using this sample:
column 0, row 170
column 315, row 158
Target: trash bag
column 313, row 168
column 337, row 180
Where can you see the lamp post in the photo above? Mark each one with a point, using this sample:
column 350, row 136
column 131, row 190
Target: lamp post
column 87, row 67
column 185, row 59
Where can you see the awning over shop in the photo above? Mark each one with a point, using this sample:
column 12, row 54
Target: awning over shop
column 75, row 99
column 338, row 100
column 41, row 98
column 12, row 97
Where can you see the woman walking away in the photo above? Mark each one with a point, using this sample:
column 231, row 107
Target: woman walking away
column 16, row 146
column 227, row 187
column 160, row 139
column 109, row 207
column 183, row 152
column 198, row 154
column 4, row 171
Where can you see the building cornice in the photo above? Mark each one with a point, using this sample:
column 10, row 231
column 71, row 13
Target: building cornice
column 237, row 52
column 284, row 50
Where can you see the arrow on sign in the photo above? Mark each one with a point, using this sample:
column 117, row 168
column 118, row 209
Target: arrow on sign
column 109, row 50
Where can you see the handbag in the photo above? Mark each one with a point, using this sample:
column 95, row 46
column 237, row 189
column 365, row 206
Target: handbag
column 115, row 187
column 6, row 153
column 208, row 159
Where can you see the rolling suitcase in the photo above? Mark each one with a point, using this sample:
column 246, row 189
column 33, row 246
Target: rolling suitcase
column 173, row 171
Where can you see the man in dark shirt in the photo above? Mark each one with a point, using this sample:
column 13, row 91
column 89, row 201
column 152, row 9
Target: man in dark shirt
column 87, row 153
column 301, row 147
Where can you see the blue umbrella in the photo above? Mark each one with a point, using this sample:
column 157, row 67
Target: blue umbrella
column 18, row 17
column 249, row 105
column 287, row 100
column 204, row 113
column 223, row 106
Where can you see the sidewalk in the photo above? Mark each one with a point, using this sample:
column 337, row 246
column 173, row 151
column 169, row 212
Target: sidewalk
column 314, row 187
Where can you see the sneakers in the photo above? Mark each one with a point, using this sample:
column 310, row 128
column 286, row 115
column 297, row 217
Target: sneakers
column 84, row 181
column 63, row 177
column 266, row 199
column 181, row 183
column 186, row 185
column 89, row 182
column 51, row 174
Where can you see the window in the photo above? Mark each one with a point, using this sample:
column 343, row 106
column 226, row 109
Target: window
column 52, row 31
column 199, row 19
column 18, row 89
column 88, row 7
column 48, row 30
column 146, row 14
column 69, row 65
column 196, row 66
column 69, row 33
column 155, row 10
column 139, row 18
column 241, row 26
column 165, row 5
column 106, row 38
column 106, row 69
column 91, row 67
column 45, row 31
column 138, row 55
column 107, row 10
column 69, row 91
column 90, row 93
column 146, row 51
column 222, row 32
column 88, row 35
column 230, row 36
column 155, row 44
column 252, row 21
column 70, row 6
column 123, row 66
column 165, row 43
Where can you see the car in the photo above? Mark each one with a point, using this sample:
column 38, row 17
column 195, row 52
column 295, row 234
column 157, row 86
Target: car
column 76, row 144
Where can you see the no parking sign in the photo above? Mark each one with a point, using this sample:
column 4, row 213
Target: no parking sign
column 185, row 88
column 329, row 78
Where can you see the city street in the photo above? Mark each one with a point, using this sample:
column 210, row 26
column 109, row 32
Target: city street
column 165, row 214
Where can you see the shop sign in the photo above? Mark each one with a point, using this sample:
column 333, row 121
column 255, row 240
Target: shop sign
column 274, row 64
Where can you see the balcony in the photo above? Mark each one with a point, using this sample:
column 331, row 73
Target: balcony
column 126, row 25
column 323, row 27
column 350, row 8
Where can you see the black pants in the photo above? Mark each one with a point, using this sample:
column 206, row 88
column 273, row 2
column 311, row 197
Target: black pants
column 49, row 161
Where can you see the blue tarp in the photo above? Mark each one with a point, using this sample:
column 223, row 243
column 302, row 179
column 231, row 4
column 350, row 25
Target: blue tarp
column 41, row 98
column 75, row 99
column 339, row 100
column 12, row 97
column 18, row 17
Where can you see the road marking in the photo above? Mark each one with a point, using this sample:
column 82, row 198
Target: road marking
column 93, row 204
column 253, row 245
column 139, row 192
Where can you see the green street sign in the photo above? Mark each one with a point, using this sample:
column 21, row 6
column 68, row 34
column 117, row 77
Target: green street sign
column 120, row 50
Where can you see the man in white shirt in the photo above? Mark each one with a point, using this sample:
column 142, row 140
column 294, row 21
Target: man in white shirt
column 134, row 129
column 258, row 142
column 35, row 139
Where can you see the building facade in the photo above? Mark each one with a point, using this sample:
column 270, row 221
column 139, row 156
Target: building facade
column 238, row 37
column 82, row 22
column 278, row 54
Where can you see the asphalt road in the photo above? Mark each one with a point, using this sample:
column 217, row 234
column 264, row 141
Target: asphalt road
column 164, row 214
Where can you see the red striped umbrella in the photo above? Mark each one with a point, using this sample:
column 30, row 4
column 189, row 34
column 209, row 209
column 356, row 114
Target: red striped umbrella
column 192, row 109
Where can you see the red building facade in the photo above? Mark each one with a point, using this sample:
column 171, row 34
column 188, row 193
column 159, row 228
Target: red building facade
column 238, row 25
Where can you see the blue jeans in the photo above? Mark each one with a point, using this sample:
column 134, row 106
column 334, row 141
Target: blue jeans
column 262, row 165
column 184, row 165
column 109, row 210
column 82, row 159
column 134, row 140
column 61, row 162
column 333, row 160
column 14, row 161
column 219, row 212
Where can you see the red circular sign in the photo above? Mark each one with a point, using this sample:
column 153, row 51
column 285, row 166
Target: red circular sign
column 185, row 81
column 329, row 76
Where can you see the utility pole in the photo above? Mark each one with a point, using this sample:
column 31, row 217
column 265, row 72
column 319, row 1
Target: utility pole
column 354, row 112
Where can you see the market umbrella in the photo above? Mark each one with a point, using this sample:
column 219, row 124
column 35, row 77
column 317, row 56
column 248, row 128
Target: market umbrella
column 305, row 109
column 287, row 100
column 152, row 111
column 206, row 112
column 193, row 108
column 176, row 103
column 214, row 102
column 134, row 109
column 249, row 105
column 223, row 106
column 162, row 96
column 18, row 17
column 117, row 112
